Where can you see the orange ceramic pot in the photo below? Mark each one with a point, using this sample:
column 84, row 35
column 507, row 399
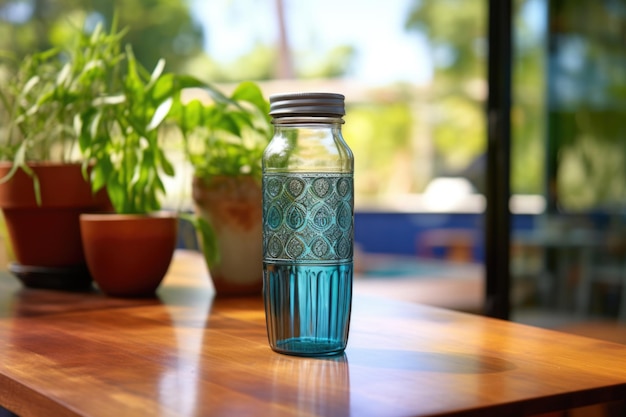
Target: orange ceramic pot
column 233, row 207
column 128, row 255
column 45, row 238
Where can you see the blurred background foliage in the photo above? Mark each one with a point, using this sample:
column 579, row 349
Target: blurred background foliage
column 586, row 105
column 404, row 135
column 158, row 28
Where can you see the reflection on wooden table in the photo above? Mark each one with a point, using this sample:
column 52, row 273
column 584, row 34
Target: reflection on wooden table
column 187, row 353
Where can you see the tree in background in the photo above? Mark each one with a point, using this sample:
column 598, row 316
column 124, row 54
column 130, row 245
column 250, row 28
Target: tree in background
column 587, row 90
column 157, row 28
column 457, row 31
column 528, row 110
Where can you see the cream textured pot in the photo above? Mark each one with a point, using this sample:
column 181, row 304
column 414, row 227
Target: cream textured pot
column 232, row 205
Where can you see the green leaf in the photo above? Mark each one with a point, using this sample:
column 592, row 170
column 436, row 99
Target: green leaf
column 32, row 82
column 251, row 92
column 167, row 166
column 18, row 162
column 64, row 74
column 156, row 73
column 229, row 123
column 159, row 184
column 78, row 125
column 109, row 100
column 217, row 95
column 36, row 185
column 96, row 34
column 208, row 238
column 163, row 88
column 133, row 83
column 93, row 130
column 184, row 81
column 192, row 116
column 147, row 165
column 104, row 171
column 160, row 114
column 116, row 193
column 242, row 120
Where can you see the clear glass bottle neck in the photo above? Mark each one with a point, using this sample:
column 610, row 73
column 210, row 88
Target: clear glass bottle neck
column 308, row 144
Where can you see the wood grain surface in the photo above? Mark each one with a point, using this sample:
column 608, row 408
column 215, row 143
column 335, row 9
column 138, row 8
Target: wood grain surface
column 187, row 353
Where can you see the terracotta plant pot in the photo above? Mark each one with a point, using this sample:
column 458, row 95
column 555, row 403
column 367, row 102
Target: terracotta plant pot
column 45, row 238
column 128, row 255
column 233, row 207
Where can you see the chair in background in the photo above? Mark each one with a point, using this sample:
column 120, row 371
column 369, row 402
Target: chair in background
column 606, row 268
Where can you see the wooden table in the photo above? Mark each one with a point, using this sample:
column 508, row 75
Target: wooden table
column 189, row 354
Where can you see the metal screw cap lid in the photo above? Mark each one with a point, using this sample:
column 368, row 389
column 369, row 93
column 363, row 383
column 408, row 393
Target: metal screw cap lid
column 307, row 104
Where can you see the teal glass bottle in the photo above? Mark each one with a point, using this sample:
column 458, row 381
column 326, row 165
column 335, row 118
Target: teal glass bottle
column 308, row 225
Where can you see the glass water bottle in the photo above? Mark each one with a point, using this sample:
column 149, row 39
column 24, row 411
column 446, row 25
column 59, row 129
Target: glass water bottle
column 308, row 225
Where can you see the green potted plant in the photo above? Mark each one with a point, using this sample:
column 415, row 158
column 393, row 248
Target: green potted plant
column 129, row 252
column 42, row 187
column 224, row 141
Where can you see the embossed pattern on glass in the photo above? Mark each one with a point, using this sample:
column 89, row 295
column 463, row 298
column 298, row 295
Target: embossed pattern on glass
column 307, row 217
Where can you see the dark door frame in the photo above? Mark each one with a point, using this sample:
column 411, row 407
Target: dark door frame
column 497, row 212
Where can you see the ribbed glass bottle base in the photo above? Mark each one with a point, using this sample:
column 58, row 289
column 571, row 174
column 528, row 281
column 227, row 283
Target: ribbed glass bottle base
column 307, row 307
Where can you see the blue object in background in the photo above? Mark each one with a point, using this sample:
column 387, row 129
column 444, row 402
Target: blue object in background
column 399, row 233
